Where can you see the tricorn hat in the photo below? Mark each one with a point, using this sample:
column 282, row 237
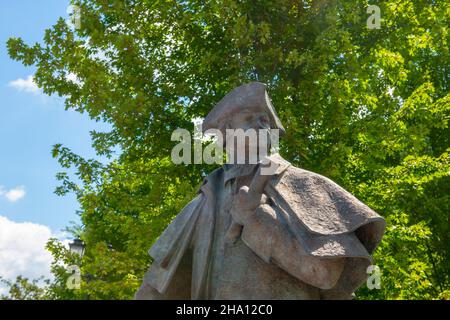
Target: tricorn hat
column 248, row 97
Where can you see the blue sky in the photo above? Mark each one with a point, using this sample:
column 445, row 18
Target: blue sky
column 30, row 123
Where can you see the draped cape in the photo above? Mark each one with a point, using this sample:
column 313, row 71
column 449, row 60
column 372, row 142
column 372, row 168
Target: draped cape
column 326, row 220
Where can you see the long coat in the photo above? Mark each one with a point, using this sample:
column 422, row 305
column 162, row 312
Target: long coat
column 313, row 242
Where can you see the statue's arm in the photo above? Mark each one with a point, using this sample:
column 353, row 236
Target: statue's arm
column 269, row 239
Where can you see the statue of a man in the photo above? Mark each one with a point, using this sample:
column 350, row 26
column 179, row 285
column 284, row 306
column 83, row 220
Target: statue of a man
column 291, row 234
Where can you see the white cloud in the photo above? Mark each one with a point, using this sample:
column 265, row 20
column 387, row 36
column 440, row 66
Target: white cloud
column 22, row 250
column 25, row 85
column 14, row 194
column 72, row 77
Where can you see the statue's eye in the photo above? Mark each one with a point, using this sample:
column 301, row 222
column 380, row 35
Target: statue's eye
column 264, row 120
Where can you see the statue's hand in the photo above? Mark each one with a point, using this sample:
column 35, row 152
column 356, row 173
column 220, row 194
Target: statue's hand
column 246, row 203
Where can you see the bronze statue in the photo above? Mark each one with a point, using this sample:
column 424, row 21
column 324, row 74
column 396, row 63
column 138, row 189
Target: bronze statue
column 293, row 234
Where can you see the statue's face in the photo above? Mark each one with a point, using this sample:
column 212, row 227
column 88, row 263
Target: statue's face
column 250, row 120
column 246, row 120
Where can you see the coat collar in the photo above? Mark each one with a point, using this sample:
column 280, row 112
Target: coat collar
column 232, row 171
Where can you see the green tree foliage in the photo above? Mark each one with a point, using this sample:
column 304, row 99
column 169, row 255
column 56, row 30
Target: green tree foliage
column 368, row 108
column 24, row 289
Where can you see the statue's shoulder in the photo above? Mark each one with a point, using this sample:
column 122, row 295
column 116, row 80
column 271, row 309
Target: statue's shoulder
column 285, row 172
column 297, row 175
column 322, row 205
column 299, row 182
